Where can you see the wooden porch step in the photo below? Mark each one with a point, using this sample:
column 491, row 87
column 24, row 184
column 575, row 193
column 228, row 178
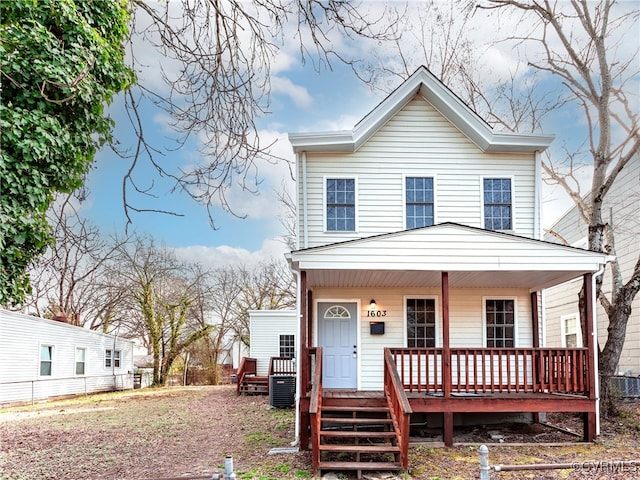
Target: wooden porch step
column 356, row 434
column 366, row 409
column 381, row 466
column 357, row 421
column 380, row 448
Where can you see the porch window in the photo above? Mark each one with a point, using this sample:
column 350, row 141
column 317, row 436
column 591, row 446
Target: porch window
column 571, row 333
column 341, row 204
column 112, row 358
column 81, row 354
column 421, row 322
column 500, row 323
column 497, row 204
column 46, row 360
column 418, row 202
column 287, row 346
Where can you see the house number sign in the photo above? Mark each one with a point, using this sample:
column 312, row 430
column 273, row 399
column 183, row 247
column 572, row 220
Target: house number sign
column 376, row 313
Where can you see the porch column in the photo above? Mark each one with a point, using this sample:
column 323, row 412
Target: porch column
column 304, row 365
column 535, row 328
column 589, row 418
column 447, row 417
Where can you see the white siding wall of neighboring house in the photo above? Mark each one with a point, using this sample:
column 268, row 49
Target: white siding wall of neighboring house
column 266, row 326
column 21, row 339
column 465, row 312
column 622, row 210
column 417, row 141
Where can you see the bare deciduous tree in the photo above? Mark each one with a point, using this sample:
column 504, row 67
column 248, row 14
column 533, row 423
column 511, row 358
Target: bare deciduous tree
column 161, row 292
column 67, row 280
column 217, row 81
column 583, row 45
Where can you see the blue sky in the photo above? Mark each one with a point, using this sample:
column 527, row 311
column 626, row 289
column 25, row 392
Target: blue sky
column 303, row 99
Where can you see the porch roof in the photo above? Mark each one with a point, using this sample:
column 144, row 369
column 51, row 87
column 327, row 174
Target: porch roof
column 473, row 257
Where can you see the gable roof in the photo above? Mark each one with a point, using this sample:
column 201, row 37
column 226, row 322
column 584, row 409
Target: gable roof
column 474, row 257
column 425, row 84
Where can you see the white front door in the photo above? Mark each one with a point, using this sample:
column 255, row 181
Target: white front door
column 337, row 335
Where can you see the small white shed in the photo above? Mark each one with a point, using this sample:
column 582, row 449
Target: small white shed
column 273, row 333
column 43, row 358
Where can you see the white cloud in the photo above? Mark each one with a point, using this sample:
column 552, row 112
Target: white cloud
column 224, row 255
column 299, row 95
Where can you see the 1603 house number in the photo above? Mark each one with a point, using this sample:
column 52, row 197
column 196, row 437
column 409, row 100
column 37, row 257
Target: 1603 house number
column 376, row 313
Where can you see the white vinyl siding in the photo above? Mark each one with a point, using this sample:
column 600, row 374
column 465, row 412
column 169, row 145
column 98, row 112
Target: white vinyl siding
column 267, row 327
column 22, row 338
column 465, row 318
column 418, row 141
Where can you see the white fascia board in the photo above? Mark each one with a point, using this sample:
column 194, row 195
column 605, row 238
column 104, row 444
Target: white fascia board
column 340, row 141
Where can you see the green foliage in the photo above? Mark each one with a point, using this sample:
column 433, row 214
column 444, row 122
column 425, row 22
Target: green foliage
column 61, row 62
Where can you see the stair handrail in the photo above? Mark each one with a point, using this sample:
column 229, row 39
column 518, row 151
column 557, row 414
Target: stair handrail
column 315, row 409
column 248, row 366
column 399, row 406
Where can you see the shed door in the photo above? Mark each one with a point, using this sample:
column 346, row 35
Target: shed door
column 337, row 335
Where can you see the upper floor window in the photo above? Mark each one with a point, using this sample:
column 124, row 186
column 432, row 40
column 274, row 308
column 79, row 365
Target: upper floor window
column 421, row 322
column 341, row 204
column 419, row 201
column 497, row 204
column 46, row 360
column 500, row 320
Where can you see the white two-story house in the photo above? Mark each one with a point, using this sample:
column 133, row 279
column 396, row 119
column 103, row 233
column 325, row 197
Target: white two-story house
column 419, row 266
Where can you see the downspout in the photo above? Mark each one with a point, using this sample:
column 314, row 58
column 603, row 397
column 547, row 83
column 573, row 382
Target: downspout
column 305, row 223
column 113, row 362
column 594, row 304
column 296, row 440
column 537, row 201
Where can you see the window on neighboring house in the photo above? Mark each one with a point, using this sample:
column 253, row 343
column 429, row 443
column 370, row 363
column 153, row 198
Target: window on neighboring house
column 46, row 360
column 341, row 204
column 81, row 354
column 421, row 322
column 497, row 204
column 419, row 201
column 112, row 358
column 571, row 332
column 500, row 323
column 287, row 346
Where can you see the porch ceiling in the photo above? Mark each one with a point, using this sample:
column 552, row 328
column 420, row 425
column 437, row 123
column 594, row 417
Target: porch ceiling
column 533, row 280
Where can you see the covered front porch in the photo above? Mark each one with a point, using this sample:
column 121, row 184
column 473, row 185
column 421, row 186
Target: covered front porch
column 458, row 369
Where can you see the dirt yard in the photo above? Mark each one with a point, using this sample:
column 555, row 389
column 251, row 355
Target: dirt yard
column 187, row 432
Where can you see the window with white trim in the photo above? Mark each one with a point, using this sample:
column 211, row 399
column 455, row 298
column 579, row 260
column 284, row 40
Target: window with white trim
column 500, row 323
column 287, row 346
column 81, row 358
column 112, row 358
column 421, row 322
column 341, row 204
column 497, row 199
column 46, row 360
column 418, row 202
column 571, row 331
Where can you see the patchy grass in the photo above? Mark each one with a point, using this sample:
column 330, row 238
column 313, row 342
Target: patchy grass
column 171, row 432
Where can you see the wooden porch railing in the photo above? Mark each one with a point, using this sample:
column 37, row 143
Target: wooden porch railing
column 315, row 408
column 282, row 366
column 479, row 370
column 399, row 407
column 248, row 366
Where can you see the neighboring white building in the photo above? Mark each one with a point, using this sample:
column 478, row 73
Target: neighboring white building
column 273, row 333
column 42, row 358
column 622, row 210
